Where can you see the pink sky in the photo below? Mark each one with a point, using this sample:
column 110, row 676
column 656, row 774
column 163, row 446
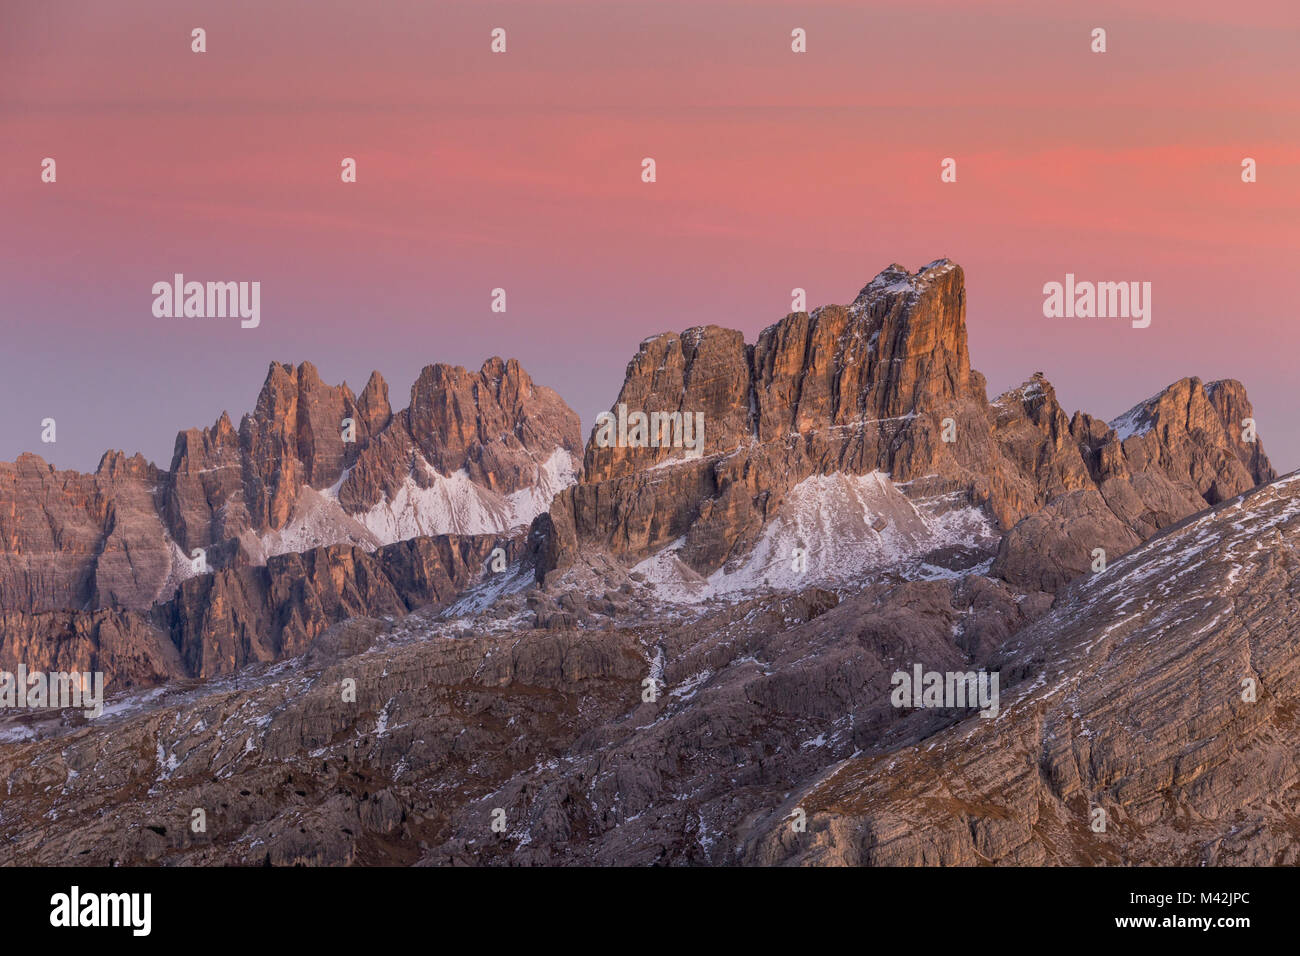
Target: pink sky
column 522, row 170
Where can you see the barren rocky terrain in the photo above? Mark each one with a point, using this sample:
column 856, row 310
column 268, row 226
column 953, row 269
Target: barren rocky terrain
column 447, row 643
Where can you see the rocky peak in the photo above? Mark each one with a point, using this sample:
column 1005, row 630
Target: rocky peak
column 206, row 467
column 195, row 447
column 373, row 404
column 1190, row 413
column 871, row 367
column 897, row 280
column 294, row 437
column 1031, row 398
column 899, row 350
column 68, row 538
column 491, row 423
column 852, row 389
column 704, row 370
column 1094, row 485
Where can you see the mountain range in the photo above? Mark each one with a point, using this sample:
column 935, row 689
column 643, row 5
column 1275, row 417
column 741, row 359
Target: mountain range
column 641, row 655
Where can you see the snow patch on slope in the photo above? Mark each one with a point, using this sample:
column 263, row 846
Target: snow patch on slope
column 317, row 520
column 1136, row 421
column 847, row 526
column 180, row 570
column 450, row 505
column 457, row 505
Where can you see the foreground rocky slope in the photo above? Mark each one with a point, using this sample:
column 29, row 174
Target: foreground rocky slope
column 456, row 716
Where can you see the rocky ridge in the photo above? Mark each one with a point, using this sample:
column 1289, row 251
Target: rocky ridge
column 474, row 453
column 876, row 386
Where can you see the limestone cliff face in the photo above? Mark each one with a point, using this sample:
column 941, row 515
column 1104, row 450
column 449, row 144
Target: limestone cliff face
column 217, row 623
column 203, row 498
column 73, row 540
column 885, row 384
column 294, row 437
column 286, row 480
column 1088, row 485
